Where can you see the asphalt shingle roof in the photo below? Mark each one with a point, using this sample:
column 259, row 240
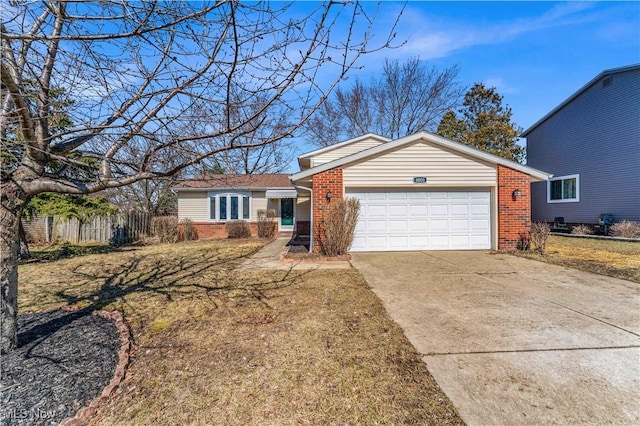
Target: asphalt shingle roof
column 214, row 181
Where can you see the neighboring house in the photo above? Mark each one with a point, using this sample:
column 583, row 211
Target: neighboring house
column 591, row 144
column 420, row 192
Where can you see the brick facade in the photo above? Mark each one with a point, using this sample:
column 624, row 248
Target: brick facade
column 212, row 230
column 514, row 216
column 330, row 180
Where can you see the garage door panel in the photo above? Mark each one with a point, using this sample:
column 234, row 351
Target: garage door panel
column 460, row 210
column 439, row 242
column 480, row 209
column 422, row 220
column 396, row 196
column 397, row 225
column 459, row 225
column 480, row 225
column 376, row 226
column 376, row 210
column 377, row 243
column 398, row 242
column 397, row 211
column 418, row 210
column 459, row 241
column 436, row 225
column 418, row 226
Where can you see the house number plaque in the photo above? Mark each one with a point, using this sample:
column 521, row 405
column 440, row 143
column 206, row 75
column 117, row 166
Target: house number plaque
column 420, row 179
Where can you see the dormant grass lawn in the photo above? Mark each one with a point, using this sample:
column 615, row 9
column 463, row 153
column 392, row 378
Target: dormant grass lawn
column 214, row 345
column 618, row 259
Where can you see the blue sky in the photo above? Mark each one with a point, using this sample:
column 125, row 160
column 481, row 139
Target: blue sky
column 535, row 53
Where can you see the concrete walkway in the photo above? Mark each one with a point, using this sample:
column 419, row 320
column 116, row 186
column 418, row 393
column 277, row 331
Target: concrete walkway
column 514, row 341
column 269, row 258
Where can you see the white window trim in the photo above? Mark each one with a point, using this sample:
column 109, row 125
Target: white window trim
column 568, row 200
column 227, row 194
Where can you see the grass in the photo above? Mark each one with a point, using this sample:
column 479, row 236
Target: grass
column 618, row 259
column 215, row 345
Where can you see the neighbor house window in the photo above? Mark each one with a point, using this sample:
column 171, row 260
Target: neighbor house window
column 563, row 189
column 229, row 206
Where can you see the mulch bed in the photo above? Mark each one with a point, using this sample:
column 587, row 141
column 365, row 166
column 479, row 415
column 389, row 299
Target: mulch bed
column 65, row 361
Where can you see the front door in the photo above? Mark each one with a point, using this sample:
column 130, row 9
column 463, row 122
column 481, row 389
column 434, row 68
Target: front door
column 286, row 214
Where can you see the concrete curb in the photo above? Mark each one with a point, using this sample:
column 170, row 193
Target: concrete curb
column 84, row 414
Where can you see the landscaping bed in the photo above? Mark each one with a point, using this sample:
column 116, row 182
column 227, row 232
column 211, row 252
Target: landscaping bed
column 219, row 345
column 610, row 257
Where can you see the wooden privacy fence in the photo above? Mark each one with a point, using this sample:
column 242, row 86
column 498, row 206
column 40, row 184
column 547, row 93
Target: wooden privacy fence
column 120, row 228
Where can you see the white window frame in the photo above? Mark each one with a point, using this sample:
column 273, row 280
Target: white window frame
column 563, row 178
column 228, row 194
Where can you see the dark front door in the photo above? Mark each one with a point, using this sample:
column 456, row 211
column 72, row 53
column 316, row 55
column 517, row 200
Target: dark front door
column 286, row 211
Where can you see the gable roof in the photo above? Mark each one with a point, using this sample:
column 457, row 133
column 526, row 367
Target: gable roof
column 579, row 92
column 341, row 144
column 429, row 137
column 218, row 181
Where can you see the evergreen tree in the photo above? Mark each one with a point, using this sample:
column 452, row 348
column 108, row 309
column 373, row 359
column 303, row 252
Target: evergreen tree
column 484, row 123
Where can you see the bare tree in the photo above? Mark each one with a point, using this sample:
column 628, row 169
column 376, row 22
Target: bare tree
column 405, row 99
column 137, row 73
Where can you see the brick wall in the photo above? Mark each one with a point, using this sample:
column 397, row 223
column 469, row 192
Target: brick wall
column 330, row 180
column 514, row 216
column 210, row 230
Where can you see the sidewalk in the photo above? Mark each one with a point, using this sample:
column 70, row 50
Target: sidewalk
column 269, row 258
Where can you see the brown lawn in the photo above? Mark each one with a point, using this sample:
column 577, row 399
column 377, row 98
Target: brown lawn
column 618, row 259
column 219, row 346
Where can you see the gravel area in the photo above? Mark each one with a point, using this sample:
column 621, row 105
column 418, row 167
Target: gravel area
column 63, row 361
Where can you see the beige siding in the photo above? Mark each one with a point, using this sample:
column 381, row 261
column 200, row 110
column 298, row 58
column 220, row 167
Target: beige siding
column 303, row 209
column 441, row 167
column 340, row 152
column 258, row 202
column 193, row 205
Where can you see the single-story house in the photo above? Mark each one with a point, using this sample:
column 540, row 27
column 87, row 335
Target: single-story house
column 420, row 192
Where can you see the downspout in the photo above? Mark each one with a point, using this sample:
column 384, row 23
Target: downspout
column 310, row 215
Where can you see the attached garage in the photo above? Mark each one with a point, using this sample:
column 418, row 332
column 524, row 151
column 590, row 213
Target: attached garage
column 420, row 192
column 395, row 220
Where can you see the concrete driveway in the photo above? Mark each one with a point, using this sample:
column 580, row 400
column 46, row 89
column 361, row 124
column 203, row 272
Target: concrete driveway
column 514, row 341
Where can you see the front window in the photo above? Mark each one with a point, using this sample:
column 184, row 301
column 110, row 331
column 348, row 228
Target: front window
column 225, row 206
column 564, row 189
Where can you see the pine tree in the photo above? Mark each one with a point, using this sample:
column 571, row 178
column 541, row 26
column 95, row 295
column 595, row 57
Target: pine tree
column 484, row 123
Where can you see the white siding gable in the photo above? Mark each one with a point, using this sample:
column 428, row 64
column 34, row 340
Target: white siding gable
column 441, row 167
column 343, row 151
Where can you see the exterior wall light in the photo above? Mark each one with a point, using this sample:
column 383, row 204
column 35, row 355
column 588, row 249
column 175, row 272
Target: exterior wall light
column 515, row 194
column 329, row 195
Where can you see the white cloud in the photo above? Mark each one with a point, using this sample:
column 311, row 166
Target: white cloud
column 431, row 38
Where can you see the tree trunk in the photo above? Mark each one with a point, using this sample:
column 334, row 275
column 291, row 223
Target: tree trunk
column 13, row 201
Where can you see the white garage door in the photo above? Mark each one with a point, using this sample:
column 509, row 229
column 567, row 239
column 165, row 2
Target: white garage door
column 412, row 220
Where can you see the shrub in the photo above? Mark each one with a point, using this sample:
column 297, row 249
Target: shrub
column 267, row 223
column 165, row 228
column 625, row 229
column 339, row 225
column 540, row 233
column 524, row 242
column 238, row 229
column 188, row 230
column 582, row 230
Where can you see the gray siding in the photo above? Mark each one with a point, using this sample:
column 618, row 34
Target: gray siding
column 597, row 135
